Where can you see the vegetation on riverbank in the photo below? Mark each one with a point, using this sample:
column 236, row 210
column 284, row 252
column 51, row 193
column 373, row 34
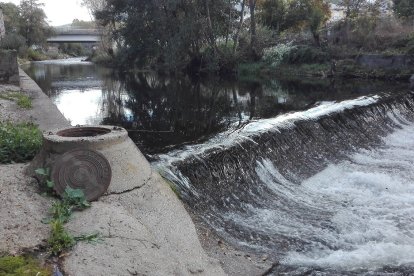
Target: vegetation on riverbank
column 18, row 142
column 60, row 213
column 240, row 37
column 21, row 99
column 22, row 265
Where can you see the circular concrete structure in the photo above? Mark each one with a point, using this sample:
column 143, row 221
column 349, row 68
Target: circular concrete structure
column 129, row 168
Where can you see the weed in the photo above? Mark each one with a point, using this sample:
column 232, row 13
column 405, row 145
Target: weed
column 91, row 238
column 22, row 100
column 60, row 239
column 19, row 265
column 75, row 198
column 18, row 142
column 44, row 175
column 60, row 213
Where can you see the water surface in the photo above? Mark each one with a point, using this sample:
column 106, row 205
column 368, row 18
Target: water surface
column 162, row 113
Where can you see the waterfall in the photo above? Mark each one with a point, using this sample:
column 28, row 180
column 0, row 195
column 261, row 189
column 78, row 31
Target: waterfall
column 330, row 188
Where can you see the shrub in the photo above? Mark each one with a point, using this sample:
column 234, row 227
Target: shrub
column 14, row 42
column 306, row 55
column 35, row 55
column 276, row 54
column 18, row 142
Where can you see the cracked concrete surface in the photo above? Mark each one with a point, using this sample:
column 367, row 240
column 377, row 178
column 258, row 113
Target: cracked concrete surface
column 146, row 232
column 21, row 211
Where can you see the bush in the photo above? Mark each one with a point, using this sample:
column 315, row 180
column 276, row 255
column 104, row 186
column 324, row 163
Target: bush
column 19, row 142
column 14, row 42
column 275, row 55
column 35, row 55
column 306, row 55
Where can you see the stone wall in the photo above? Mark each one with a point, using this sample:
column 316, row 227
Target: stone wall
column 386, row 62
column 9, row 69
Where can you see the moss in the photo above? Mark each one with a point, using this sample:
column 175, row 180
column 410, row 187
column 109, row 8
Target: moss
column 21, row 266
column 18, row 142
column 22, row 100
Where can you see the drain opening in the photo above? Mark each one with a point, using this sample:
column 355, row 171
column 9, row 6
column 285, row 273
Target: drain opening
column 83, row 132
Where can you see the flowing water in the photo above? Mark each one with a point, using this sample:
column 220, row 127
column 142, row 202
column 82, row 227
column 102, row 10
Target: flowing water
column 319, row 175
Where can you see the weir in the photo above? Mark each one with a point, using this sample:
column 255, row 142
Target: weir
column 318, row 189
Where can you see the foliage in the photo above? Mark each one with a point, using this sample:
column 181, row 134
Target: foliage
column 303, row 54
column 74, row 49
column 60, row 213
column 35, row 55
column 282, row 15
column 59, row 239
column 276, row 54
column 18, row 142
column 75, row 198
column 170, row 34
column 22, row 100
column 25, row 22
column 33, row 24
column 249, row 69
column 404, row 8
column 14, row 41
column 19, row 266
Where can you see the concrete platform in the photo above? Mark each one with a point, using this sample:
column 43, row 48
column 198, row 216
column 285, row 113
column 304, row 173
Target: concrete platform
column 146, row 229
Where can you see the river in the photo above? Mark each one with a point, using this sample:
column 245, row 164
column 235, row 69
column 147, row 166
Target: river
column 316, row 173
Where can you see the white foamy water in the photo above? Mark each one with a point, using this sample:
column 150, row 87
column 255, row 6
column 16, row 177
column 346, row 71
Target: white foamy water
column 355, row 215
column 371, row 197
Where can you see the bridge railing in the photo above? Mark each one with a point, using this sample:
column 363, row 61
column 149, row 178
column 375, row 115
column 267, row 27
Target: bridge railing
column 77, row 31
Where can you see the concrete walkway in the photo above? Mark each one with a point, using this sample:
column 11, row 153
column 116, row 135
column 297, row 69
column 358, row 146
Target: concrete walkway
column 146, row 231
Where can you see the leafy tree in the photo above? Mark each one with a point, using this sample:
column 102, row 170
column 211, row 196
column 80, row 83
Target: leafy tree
column 353, row 8
column 319, row 14
column 11, row 17
column 168, row 32
column 273, row 14
column 404, row 8
column 33, row 24
column 296, row 14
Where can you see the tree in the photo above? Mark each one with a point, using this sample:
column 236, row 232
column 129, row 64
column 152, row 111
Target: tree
column 34, row 26
column 296, row 14
column 11, row 17
column 273, row 14
column 353, row 8
column 404, row 8
column 171, row 33
column 319, row 14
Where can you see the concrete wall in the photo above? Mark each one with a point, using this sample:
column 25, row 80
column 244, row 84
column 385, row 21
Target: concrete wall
column 2, row 28
column 386, row 62
column 9, row 69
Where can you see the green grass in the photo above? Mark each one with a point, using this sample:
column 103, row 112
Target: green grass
column 59, row 240
column 21, row 266
column 19, row 142
column 22, row 100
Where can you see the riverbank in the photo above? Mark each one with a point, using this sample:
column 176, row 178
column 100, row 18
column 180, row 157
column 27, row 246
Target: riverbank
column 377, row 67
column 145, row 230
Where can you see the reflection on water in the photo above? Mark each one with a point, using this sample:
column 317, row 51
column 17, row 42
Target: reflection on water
column 163, row 112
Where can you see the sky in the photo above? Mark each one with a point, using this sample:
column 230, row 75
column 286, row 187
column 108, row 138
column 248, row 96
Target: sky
column 61, row 12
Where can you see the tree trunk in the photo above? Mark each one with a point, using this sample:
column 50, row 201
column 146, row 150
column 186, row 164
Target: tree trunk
column 253, row 33
column 236, row 37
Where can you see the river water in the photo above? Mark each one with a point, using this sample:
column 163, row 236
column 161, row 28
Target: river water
column 317, row 174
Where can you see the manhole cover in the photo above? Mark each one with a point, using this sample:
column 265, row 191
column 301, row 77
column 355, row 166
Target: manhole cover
column 83, row 169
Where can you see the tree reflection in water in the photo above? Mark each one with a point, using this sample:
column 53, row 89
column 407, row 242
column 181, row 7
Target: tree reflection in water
column 162, row 112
